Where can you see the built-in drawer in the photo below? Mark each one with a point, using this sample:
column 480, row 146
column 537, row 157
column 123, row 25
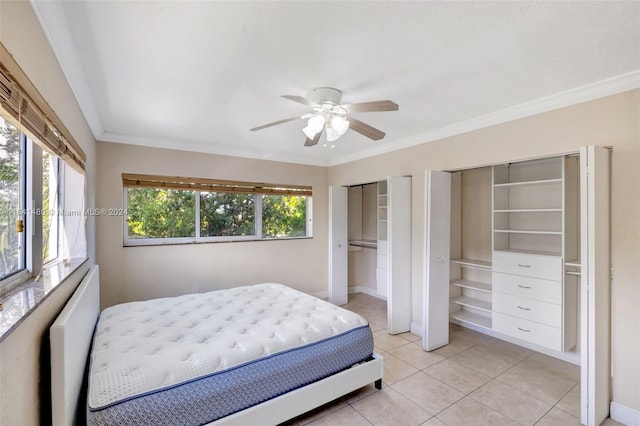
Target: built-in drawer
column 530, row 265
column 527, row 287
column 529, row 309
column 539, row 334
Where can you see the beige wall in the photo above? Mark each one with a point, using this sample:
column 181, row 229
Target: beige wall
column 611, row 121
column 22, row 371
column 136, row 273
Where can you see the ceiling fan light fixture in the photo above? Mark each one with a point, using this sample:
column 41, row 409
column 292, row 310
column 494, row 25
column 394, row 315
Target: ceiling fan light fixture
column 309, row 132
column 340, row 123
column 332, row 134
column 316, row 123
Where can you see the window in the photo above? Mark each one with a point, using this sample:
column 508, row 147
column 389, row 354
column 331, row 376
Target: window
column 12, row 196
column 42, row 217
column 160, row 210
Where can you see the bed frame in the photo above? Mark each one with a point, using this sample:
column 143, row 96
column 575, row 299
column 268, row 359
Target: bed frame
column 71, row 336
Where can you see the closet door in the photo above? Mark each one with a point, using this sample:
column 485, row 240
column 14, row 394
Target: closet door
column 399, row 255
column 595, row 284
column 436, row 273
column 338, row 245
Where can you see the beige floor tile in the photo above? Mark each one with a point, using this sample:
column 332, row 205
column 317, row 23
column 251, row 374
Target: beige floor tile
column 553, row 366
column 378, row 322
column 535, row 379
column 516, row 405
column 491, row 358
column 570, row 403
column 389, row 407
column 395, row 369
column 609, row 422
column 557, row 417
column 429, row 393
column 387, row 341
column 346, row 416
column 433, row 421
column 460, row 339
column 459, row 377
column 414, row 355
column 358, row 394
column 410, row 337
column 469, row 412
column 321, row 411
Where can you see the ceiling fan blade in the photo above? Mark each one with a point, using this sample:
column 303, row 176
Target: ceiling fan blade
column 301, row 100
column 314, row 141
column 275, row 123
column 371, row 106
column 365, row 130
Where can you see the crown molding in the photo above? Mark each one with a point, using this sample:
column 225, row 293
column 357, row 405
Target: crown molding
column 54, row 24
column 205, row 148
column 55, row 27
column 588, row 92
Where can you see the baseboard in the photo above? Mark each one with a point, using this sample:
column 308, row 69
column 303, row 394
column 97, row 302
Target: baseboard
column 416, row 329
column 624, row 415
column 324, row 295
column 366, row 290
column 570, row 357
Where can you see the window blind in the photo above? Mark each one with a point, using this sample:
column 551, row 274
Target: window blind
column 212, row 185
column 22, row 102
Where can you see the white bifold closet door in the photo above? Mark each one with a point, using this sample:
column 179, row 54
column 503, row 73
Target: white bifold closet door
column 595, row 295
column 338, row 245
column 399, row 243
column 436, row 266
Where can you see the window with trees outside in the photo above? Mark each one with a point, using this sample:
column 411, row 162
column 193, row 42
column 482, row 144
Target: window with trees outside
column 42, row 215
column 164, row 210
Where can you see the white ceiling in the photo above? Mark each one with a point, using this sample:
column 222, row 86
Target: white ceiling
column 198, row 75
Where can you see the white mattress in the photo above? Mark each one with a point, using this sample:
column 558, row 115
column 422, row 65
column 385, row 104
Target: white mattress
column 143, row 347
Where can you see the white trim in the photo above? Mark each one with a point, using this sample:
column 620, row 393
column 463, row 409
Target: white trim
column 54, row 24
column 588, row 92
column 624, row 415
column 570, row 357
column 366, row 290
column 324, row 295
column 599, row 89
column 417, row 329
column 56, row 28
column 206, row 147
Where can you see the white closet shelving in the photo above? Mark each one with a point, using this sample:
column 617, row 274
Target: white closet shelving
column 534, row 230
column 512, row 227
column 470, row 276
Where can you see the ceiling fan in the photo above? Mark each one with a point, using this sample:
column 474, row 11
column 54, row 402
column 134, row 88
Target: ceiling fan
column 332, row 117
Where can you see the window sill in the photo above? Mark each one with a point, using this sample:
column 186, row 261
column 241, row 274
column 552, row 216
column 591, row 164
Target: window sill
column 148, row 243
column 21, row 301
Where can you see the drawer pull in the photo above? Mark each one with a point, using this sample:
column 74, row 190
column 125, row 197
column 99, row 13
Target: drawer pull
column 524, row 266
column 524, row 309
column 522, row 329
column 524, row 286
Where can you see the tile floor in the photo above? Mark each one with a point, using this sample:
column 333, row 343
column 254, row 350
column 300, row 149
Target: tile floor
column 475, row 380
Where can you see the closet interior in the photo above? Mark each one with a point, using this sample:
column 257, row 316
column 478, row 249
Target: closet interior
column 514, row 252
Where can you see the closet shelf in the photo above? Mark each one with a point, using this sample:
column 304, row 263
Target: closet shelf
column 522, row 231
column 528, row 182
column 471, row 318
column 538, row 252
column 473, row 285
column 472, row 303
column 473, row 263
column 526, row 210
column 364, row 243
